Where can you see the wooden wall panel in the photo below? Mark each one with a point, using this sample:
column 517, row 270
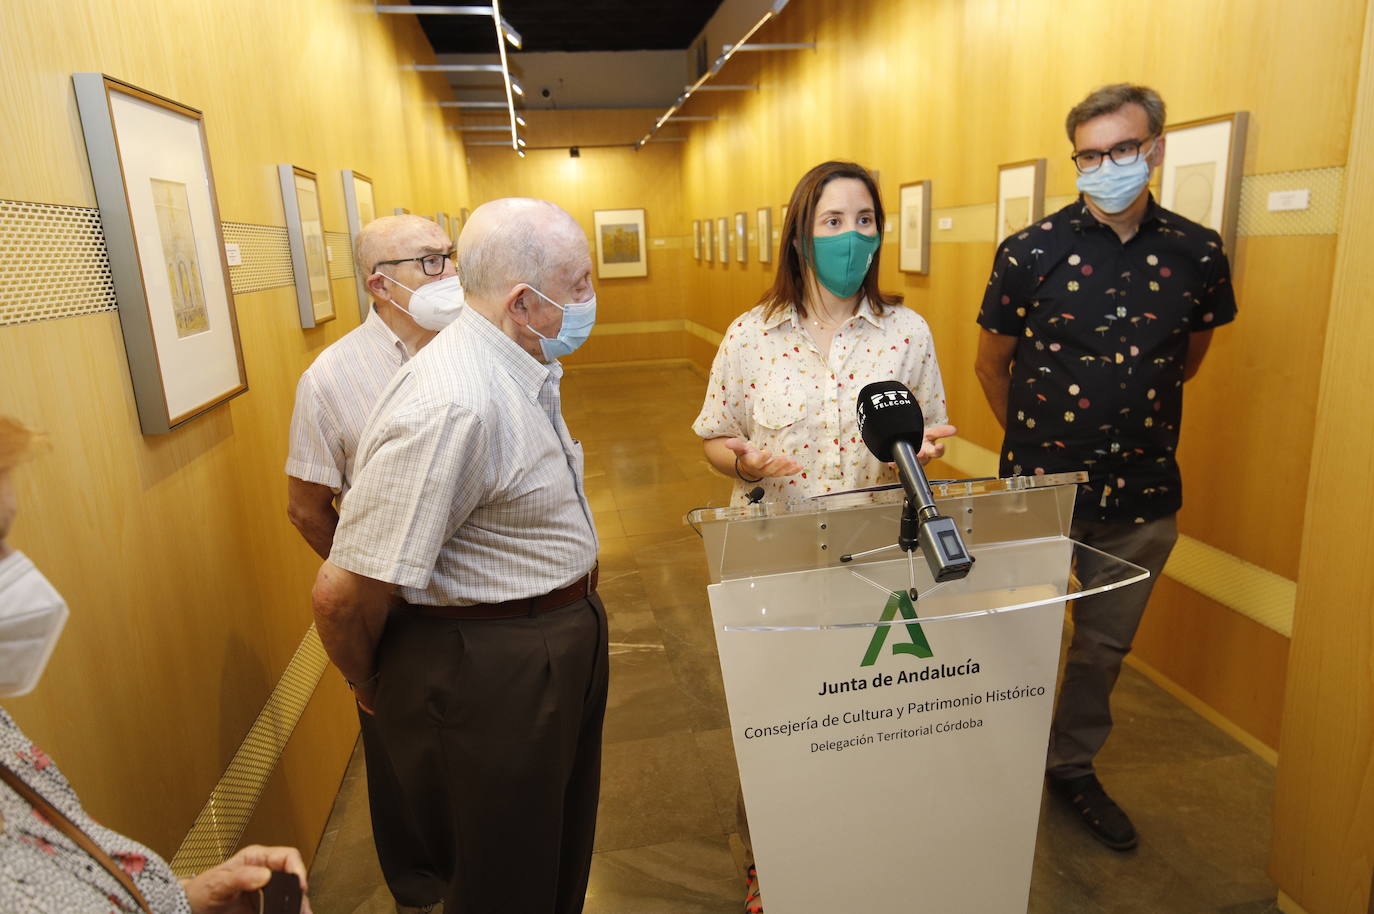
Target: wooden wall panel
column 606, row 178
column 1324, row 811
column 1238, row 664
column 189, row 589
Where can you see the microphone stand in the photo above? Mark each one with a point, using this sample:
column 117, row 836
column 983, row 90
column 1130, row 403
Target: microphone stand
column 908, row 539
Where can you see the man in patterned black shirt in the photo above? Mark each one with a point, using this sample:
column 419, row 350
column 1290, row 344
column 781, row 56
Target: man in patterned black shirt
column 1092, row 321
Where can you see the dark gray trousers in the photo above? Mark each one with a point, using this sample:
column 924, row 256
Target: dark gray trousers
column 493, row 729
column 1104, row 627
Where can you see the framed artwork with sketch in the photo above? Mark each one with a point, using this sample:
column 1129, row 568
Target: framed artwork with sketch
column 300, row 195
column 150, row 165
column 765, row 218
column 913, row 227
column 621, row 245
column 1020, row 195
column 359, row 209
column 1200, row 178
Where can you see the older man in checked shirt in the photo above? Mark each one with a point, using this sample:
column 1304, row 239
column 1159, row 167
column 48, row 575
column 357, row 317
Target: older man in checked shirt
column 488, row 675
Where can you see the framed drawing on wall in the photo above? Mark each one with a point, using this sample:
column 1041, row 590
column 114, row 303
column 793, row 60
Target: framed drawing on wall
column 151, row 169
column 359, row 210
column 765, row 220
column 741, row 238
column 696, row 239
column 708, row 240
column 913, row 227
column 300, row 196
column 723, row 240
column 441, row 220
column 621, row 244
column 1200, row 179
column 1020, row 195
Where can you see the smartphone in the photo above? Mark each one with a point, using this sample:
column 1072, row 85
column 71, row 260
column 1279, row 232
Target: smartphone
column 281, row 895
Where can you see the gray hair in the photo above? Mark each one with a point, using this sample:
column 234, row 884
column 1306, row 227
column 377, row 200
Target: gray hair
column 511, row 241
column 1111, row 98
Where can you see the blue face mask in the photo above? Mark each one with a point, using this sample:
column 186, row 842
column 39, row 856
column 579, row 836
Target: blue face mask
column 578, row 320
column 1114, row 187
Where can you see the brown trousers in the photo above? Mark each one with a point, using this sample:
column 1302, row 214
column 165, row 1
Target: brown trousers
column 493, row 732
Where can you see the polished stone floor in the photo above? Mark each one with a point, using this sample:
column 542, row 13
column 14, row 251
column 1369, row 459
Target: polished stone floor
column 666, row 841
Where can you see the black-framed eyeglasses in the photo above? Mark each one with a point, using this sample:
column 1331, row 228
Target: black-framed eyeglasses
column 1088, row 161
column 432, row 264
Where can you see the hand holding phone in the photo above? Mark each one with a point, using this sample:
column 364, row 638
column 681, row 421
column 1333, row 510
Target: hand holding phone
column 281, row 895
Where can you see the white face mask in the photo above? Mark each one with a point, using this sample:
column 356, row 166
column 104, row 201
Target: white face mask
column 32, row 614
column 434, row 305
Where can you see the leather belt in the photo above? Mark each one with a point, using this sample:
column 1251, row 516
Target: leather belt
column 584, row 586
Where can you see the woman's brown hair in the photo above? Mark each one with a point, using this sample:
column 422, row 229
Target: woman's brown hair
column 788, row 287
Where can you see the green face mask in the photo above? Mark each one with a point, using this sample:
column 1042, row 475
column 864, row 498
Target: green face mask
column 842, row 261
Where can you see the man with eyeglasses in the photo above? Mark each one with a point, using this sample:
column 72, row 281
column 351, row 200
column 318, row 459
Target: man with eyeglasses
column 488, row 675
column 1093, row 319
column 408, row 270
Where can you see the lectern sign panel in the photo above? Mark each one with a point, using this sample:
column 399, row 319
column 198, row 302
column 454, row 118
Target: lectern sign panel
column 910, row 752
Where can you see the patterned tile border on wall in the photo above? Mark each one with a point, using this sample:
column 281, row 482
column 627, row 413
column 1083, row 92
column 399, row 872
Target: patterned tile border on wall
column 53, row 263
column 975, row 223
column 340, row 247
column 266, row 256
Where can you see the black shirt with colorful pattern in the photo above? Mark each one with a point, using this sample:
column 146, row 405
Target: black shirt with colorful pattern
column 1103, row 329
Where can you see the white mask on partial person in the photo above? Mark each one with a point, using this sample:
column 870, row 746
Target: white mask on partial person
column 434, row 305
column 32, row 614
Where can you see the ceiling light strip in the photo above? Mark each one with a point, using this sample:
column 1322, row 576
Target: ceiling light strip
column 457, row 67
column 407, row 10
column 502, row 36
column 729, row 52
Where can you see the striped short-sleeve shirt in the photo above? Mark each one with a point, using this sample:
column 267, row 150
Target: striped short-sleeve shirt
column 468, row 487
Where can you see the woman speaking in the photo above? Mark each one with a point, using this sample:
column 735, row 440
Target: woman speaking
column 780, row 407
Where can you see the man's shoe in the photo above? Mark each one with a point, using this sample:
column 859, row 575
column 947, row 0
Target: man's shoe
column 1104, row 819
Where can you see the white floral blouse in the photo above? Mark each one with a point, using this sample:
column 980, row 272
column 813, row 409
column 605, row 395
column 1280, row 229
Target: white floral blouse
column 770, row 384
column 42, row 871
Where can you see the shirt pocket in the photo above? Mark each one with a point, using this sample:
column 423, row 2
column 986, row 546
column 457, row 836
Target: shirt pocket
column 779, row 406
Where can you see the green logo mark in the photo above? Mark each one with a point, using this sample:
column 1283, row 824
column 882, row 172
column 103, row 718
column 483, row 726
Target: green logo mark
column 919, row 646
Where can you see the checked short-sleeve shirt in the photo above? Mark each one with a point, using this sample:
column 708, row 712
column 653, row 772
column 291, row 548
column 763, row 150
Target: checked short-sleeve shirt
column 1103, row 329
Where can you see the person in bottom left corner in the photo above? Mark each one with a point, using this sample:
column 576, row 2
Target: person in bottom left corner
column 54, row 858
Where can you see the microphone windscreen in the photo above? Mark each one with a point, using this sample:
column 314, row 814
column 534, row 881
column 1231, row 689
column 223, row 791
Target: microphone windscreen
column 888, row 413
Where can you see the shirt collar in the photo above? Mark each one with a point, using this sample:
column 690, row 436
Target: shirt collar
column 384, row 334
column 527, row 371
column 1152, row 212
column 865, row 310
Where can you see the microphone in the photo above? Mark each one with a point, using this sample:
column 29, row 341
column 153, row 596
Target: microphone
column 892, row 427
column 755, row 495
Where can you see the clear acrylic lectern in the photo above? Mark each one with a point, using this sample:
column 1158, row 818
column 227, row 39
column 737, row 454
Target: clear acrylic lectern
column 891, row 750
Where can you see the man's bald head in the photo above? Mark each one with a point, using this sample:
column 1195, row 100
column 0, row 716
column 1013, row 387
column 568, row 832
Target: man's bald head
column 515, row 240
column 395, row 237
